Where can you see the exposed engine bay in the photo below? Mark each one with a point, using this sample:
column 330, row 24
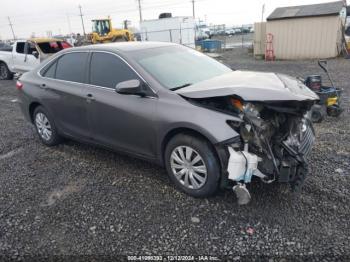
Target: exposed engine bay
column 275, row 140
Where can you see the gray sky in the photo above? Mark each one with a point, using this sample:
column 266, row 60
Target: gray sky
column 40, row 16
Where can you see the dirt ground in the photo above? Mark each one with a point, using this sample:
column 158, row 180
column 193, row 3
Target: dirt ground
column 75, row 201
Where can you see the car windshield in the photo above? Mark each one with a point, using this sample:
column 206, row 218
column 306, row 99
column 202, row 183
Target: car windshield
column 177, row 66
column 53, row 46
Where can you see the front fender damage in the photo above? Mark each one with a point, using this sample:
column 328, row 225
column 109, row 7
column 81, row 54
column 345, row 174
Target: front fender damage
column 272, row 146
column 274, row 132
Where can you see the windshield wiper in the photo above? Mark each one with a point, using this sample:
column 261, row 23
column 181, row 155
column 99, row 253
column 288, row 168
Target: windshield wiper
column 179, row 87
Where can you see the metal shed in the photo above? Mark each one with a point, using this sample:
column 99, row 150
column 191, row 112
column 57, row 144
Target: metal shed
column 308, row 31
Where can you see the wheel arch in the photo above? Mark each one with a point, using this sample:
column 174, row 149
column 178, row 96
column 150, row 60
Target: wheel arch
column 4, row 62
column 31, row 109
column 185, row 130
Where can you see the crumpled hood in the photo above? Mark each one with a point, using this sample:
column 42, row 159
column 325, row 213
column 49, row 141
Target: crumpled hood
column 251, row 86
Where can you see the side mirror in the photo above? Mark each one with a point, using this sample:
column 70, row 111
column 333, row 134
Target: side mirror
column 35, row 54
column 130, row 87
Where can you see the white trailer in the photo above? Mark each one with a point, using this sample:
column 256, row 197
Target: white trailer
column 180, row 29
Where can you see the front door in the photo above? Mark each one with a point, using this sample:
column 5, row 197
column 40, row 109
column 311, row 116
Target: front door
column 30, row 61
column 123, row 122
column 19, row 57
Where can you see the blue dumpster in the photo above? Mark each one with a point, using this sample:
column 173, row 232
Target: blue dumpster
column 210, row 45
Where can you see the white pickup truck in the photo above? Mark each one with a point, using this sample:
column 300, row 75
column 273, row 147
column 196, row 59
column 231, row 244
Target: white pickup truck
column 24, row 55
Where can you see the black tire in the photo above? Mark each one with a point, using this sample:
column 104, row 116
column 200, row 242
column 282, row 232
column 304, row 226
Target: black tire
column 5, row 73
column 334, row 112
column 55, row 138
column 316, row 116
column 206, row 152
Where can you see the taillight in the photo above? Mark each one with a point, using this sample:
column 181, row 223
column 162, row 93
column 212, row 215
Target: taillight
column 19, row 85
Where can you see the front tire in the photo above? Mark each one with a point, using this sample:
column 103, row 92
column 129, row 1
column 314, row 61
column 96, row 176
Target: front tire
column 5, row 73
column 46, row 127
column 192, row 165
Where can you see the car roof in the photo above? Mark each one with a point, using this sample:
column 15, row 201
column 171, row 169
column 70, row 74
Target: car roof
column 43, row 40
column 125, row 46
column 40, row 40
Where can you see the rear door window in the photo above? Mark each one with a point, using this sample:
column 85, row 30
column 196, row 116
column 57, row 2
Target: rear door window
column 53, row 46
column 20, row 47
column 50, row 70
column 107, row 70
column 71, row 67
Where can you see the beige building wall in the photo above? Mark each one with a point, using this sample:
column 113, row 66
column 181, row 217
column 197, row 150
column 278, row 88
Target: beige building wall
column 306, row 38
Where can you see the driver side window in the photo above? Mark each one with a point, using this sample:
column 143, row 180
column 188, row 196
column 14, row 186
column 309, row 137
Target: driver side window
column 30, row 48
column 107, row 70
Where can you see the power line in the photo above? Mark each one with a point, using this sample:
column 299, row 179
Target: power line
column 164, row 5
column 113, row 9
column 10, row 24
column 82, row 20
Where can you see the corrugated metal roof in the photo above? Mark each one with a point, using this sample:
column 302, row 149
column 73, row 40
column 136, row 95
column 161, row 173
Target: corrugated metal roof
column 289, row 12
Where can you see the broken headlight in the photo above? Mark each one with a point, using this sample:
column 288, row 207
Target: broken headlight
column 246, row 108
column 251, row 109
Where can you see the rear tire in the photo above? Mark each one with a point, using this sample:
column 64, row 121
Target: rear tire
column 45, row 127
column 5, row 73
column 334, row 112
column 192, row 165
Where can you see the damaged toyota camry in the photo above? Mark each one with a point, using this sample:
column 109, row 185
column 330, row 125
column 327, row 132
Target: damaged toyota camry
column 210, row 126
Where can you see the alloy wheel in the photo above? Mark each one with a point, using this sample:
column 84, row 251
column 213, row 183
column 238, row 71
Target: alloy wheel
column 188, row 167
column 43, row 126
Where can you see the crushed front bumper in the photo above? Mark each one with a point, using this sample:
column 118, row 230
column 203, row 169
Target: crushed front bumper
column 288, row 161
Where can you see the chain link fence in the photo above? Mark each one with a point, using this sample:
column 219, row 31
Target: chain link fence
column 230, row 37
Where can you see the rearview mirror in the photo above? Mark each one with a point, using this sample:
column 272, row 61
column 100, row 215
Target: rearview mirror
column 35, row 54
column 130, row 87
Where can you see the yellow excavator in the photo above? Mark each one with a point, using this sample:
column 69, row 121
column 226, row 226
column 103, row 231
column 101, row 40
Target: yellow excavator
column 103, row 32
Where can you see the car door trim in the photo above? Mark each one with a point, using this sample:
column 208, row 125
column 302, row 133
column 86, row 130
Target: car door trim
column 90, row 52
column 127, row 63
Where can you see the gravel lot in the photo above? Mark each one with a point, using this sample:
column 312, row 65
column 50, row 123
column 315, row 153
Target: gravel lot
column 77, row 200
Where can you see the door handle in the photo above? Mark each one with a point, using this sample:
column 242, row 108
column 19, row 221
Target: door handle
column 90, row 97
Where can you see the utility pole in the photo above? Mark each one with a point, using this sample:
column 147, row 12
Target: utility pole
column 82, row 20
column 10, row 24
column 140, row 10
column 194, row 18
column 193, row 13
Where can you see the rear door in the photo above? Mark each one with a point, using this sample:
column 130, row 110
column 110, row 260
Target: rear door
column 123, row 122
column 19, row 57
column 62, row 84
